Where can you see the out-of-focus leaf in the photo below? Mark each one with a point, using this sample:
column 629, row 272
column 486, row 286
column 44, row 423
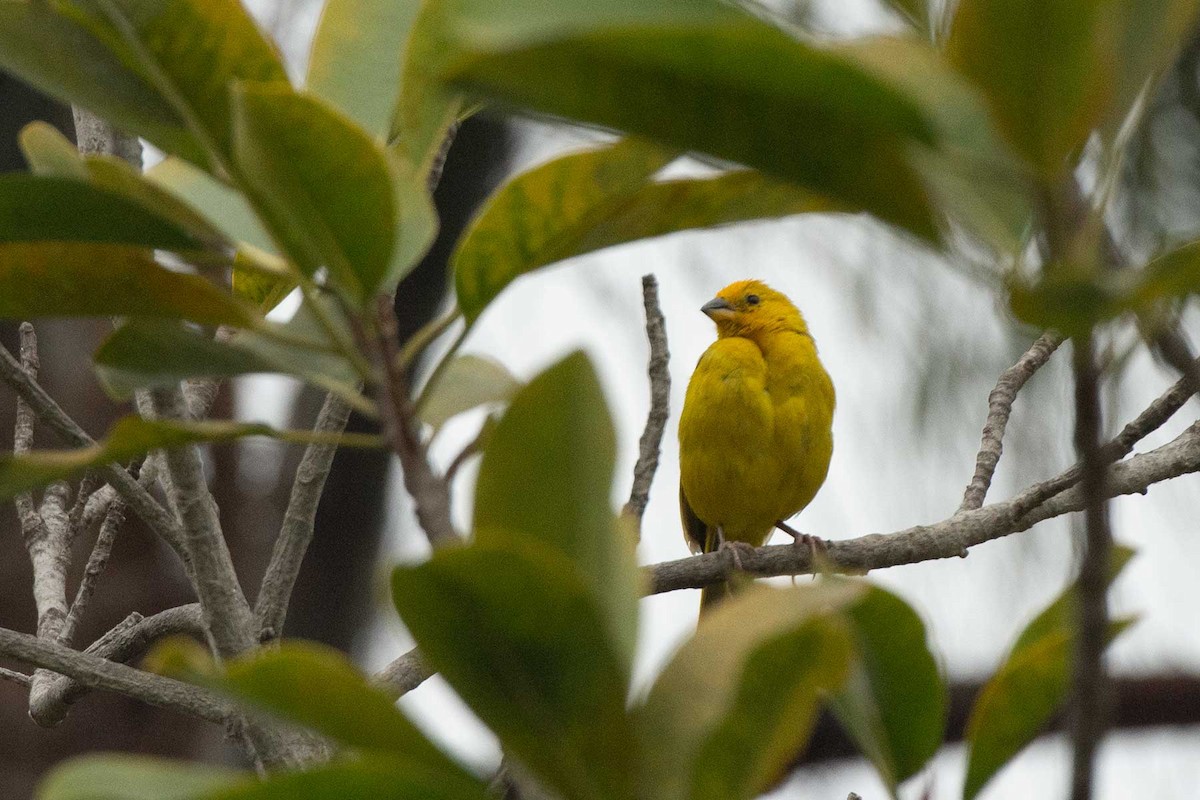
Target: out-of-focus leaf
column 192, row 51
column 367, row 778
column 35, row 208
column 516, row 631
column 546, row 214
column 222, row 205
column 1150, row 33
column 469, row 381
column 356, row 59
column 74, row 279
column 915, row 12
column 737, row 702
column 319, row 688
column 416, row 223
column 145, row 354
column 133, row 436
column 426, row 108
column 51, row 47
column 1030, row 687
column 48, row 152
column 128, row 777
column 798, row 111
column 547, row 475
column 1048, row 70
column 321, row 184
column 894, row 705
column 252, row 280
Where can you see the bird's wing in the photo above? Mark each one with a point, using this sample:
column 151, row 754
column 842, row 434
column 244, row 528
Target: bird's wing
column 694, row 531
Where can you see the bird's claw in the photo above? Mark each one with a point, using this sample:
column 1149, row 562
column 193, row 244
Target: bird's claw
column 815, row 544
column 733, row 548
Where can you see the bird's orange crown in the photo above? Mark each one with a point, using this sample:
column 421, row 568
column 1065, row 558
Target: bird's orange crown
column 750, row 308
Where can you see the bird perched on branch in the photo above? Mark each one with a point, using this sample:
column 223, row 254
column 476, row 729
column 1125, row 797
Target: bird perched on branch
column 755, row 436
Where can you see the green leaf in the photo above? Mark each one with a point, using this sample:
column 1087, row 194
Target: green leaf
column 468, row 382
column 223, row 206
column 546, row 476
column 699, row 75
column 48, row 152
column 1151, row 33
column 65, row 279
column 736, row 703
column 546, row 214
column 357, row 55
column 133, row 436
column 894, row 705
column 368, row 778
column 193, row 52
column 35, row 208
column 48, row 45
column 1047, row 69
column 319, row 688
column 146, row 354
column 426, row 108
column 1030, row 687
column 915, row 12
column 322, row 186
column 516, row 631
column 127, row 777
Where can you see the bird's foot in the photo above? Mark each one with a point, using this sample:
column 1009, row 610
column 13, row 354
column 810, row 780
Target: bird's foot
column 815, row 544
column 735, row 549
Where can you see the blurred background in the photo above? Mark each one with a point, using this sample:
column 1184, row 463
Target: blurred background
column 914, row 343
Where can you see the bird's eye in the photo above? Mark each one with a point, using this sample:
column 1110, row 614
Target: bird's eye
column 752, row 299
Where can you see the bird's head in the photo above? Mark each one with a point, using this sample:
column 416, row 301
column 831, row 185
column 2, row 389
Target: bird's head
column 748, row 308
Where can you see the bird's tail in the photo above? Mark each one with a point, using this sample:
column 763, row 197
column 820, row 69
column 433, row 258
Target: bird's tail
column 711, row 596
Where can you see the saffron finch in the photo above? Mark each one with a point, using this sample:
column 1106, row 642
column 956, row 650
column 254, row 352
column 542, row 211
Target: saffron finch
column 755, row 436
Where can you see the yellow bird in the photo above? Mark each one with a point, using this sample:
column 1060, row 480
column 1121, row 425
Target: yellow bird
column 755, row 436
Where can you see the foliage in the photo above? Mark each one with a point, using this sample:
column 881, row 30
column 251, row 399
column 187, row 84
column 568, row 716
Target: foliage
column 961, row 134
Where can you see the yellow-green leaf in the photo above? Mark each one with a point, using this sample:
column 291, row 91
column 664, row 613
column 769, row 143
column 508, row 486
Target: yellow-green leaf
column 129, row 777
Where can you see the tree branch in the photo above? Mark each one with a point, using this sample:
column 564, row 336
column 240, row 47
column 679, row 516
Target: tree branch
column 660, row 403
column 1000, row 403
column 403, row 674
column 298, row 522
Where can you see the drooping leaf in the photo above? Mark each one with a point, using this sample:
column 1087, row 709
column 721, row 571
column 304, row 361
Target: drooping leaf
column 146, row 354
column 133, row 436
column 1047, row 70
column 322, row 186
column 35, row 208
column 74, row 279
column 1030, row 686
column 544, row 215
column 53, row 49
column 736, row 703
column 357, row 55
column 426, row 108
column 192, row 52
column 516, row 631
column 894, row 705
column 129, row 777
column 703, row 76
column 547, row 476
column 468, row 382
column 367, row 778
column 319, row 688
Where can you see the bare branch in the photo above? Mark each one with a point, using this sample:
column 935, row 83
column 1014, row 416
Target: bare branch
column 1000, row 403
column 299, row 520
column 403, row 675
column 660, row 402
column 1089, row 689
column 430, row 493
column 13, row 676
column 472, row 448
column 949, row 538
column 97, row 561
column 31, row 523
column 100, row 673
column 157, row 518
column 126, row 642
column 96, row 136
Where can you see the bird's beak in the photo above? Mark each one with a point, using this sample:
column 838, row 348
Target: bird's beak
column 717, row 309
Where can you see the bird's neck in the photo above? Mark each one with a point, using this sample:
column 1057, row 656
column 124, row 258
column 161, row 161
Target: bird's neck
column 779, row 333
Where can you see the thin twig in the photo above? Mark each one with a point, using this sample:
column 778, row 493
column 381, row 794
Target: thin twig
column 88, row 486
column 950, row 538
column 472, row 448
column 430, row 493
column 1000, row 403
column 31, row 523
column 12, row 676
column 1089, row 706
column 660, row 403
column 97, row 561
column 298, row 522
